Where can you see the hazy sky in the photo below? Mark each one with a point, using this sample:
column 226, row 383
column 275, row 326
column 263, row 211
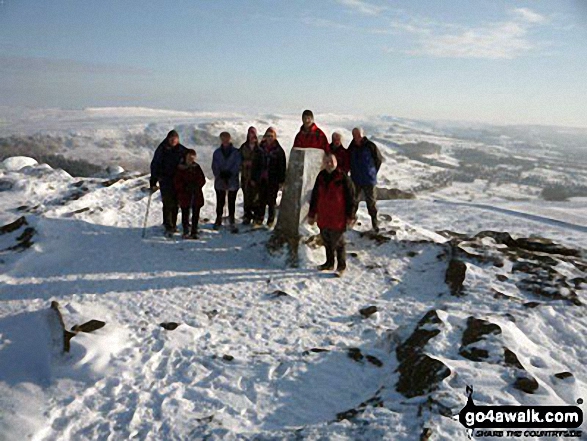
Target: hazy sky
column 517, row 61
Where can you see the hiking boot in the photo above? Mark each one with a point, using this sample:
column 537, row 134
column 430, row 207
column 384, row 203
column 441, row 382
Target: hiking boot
column 246, row 220
column 375, row 224
column 194, row 235
column 217, row 224
column 326, row 267
column 233, row 229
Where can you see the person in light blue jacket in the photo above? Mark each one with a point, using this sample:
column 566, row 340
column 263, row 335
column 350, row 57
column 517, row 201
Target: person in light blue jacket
column 226, row 163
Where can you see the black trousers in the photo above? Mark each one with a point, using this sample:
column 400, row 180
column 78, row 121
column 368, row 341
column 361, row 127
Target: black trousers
column 267, row 201
column 221, row 200
column 334, row 243
column 170, row 209
column 249, row 199
column 185, row 219
column 370, row 198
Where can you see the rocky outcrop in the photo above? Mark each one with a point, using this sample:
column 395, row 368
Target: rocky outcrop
column 419, row 373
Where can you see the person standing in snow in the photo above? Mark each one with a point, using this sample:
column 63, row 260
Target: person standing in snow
column 268, row 175
column 331, row 206
column 226, row 163
column 342, row 154
column 365, row 161
column 189, row 181
column 249, row 153
column 163, row 168
column 310, row 135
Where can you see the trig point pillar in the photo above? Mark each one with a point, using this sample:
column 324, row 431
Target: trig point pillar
column 302, row 170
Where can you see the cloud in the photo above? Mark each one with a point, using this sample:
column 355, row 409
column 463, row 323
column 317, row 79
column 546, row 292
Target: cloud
column 501, row 40
column 362, row 7
column 324, row 23
column 529, row 15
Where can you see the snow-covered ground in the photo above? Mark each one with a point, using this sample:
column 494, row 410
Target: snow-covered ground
column 262, row 350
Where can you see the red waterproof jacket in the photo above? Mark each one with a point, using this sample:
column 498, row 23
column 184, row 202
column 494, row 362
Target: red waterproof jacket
column 343, row 159
column 332, row 200
column 314, row 138
column 189, row 181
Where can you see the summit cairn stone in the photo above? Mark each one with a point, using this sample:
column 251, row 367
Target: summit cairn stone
column 303, row 168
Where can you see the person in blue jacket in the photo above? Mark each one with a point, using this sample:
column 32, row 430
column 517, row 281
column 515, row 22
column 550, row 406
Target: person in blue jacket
column 365, row 163
column 226, row 163
column 163, row 168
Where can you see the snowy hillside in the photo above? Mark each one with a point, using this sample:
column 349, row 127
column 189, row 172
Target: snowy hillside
column 271, row 352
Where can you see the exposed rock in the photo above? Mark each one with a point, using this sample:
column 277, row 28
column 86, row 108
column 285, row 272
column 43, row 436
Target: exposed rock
column 277, row 294
column 563, row 375
column 374, row 360
column 315, row 351
column 455, row 276
column 368, row 311
column 227, row 357
column 169, row 326
column 527, row 384
column 511, row 359
column 474, row 354
column 13, row 226
column 531, row 304
column 419, row 373
column 355, row 354
column 347, row 414
column 478, row 329
column 426, row 434
column 388, row 194
column 91, row 326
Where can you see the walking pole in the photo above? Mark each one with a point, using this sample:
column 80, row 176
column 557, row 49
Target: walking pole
column 147, row 214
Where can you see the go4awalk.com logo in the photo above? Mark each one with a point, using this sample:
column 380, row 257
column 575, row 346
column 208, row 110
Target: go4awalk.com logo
column 521, row 421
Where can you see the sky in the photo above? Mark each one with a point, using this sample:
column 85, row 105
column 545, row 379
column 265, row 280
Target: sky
column 494, row 61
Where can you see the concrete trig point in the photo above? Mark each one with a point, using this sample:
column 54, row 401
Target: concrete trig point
column 302, row 170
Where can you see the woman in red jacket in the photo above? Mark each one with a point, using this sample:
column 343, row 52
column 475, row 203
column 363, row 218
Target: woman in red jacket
column 332, row 206
column 189, row 181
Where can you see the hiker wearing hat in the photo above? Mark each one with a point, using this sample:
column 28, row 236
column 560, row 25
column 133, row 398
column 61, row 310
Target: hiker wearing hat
column 163, row 168
column 269, row 176
column 249, row 155
column 189, row 181
column 310, row 135
column 226, row 163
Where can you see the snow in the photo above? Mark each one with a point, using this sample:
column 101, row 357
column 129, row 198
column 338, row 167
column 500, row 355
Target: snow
column 16, row 163
column 134, row 379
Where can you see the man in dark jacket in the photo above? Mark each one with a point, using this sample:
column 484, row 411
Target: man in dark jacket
column 310, row 135
column 268, row 176
column 365, row 161
column 163, row 168
column 332, row 206
column 226, row 164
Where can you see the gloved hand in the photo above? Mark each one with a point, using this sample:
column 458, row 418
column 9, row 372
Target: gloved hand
column 311, row 220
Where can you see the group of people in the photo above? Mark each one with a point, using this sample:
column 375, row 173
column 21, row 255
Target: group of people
column 259, row 169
